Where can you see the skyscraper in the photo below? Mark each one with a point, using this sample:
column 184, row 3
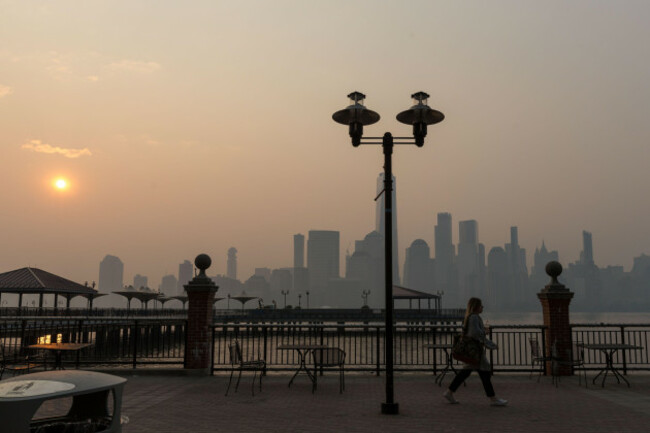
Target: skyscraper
column 300, row 275
column 418, row 267
column 518, row 271
column 185, row 271
column 587, row 254
column 322, row 257
column 444, row 260
column 298, row 251
column 111, row 277
column 379, row 222
column 468, row 259
column 231, row 269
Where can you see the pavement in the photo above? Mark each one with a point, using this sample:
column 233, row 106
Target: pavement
column 175, row 403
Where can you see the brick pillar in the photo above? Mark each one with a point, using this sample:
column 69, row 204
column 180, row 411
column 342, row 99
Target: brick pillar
column 200, row 294
column 555, row 299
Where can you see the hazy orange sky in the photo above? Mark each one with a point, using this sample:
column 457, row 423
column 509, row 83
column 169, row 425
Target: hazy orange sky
column 190, row 127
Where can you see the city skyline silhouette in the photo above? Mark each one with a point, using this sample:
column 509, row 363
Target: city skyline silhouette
column 196, row 128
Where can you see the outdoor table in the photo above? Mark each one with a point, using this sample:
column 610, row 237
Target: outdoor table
column 449, row 365
column 58, row 349
column 609, row 350
column 21, row 397
column 303, row 350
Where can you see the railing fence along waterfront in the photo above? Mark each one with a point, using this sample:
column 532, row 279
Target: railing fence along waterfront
column 364, row 344
column 140, row 342
column 112, row 341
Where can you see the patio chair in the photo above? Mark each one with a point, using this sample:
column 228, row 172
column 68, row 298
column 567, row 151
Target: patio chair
column 537, row 357
column 332, row 357
column 575, row 358
column 20, row 364
column 237, row 362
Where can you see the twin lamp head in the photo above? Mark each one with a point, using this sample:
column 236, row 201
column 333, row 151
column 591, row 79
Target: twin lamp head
column 356, row 115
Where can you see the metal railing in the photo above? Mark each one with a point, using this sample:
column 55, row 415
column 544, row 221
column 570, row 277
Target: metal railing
column 137, row 342
column 112, row 341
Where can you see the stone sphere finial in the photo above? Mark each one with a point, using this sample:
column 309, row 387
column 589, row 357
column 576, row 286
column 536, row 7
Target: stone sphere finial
column 554, row 269
column 202, row 262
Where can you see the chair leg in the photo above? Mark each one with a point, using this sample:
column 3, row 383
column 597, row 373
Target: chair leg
column 341, row 381
column 253, row 384
column 238, row 379
column 232, row 371
column 261, row 374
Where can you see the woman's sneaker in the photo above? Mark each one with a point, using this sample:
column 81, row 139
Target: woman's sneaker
column 499, row 402
column 449, row 396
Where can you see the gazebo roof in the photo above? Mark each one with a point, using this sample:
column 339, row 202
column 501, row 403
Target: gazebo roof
column 34, row 280
column 400, row 292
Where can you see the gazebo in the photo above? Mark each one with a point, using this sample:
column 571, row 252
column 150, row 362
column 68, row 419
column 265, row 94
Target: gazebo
column 39, row 282
column 400, row 292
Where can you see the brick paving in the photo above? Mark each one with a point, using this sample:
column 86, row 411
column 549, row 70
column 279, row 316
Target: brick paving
column 170, row 403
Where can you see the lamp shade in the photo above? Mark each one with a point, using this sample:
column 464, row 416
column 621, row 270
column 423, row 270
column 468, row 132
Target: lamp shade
column 420, row 112
column 356, row 112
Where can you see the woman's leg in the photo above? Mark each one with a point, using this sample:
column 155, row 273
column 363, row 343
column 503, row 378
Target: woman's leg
column 459, row 379
column 487, row 383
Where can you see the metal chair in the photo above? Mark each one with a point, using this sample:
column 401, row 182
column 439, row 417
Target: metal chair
column 575, row 358
column 331, row 357
column 20, row 364
column 537, row 357
column 237, row 362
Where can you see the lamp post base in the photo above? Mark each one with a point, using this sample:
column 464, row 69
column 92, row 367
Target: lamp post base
column 390, row 408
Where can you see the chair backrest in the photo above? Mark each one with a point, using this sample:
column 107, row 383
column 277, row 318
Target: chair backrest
column 235, row 353
column 578, row 355
column 534, row 348
column 329, row 357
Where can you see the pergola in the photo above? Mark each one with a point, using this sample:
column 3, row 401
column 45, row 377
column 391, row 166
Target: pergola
column 400, row 292
column 36, row 281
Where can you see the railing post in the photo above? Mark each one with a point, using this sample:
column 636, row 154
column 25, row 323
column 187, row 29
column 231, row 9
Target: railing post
column 623, row 351
column 322, row 343
column 135, row 343
column 265, row 333
column 212, row 355
column 378, row 354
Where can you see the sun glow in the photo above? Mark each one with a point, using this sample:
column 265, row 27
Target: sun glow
column 60, row 184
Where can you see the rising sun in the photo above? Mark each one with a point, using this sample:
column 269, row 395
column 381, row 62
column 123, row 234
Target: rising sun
column 61, row 184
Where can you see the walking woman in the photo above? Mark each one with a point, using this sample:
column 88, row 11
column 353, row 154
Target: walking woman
column 473, row 327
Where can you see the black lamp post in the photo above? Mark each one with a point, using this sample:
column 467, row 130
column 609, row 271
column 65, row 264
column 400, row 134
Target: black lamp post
column 285, row 293
column 356, row 115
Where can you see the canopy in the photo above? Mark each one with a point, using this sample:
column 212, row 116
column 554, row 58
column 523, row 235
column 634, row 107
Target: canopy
column 37, row 281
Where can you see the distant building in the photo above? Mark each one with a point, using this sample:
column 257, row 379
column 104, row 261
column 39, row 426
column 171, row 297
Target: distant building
column 322, row 258
column 111, row 278
column 264, row 273
column 444, row 260
column 231, row 266
column 281, row 279
column 168, row 285
column 140, row 281
column 468, row 260
column 298, row 251
column 418, row 267
column 185, row 274
column 497, row 279
column 517, row 289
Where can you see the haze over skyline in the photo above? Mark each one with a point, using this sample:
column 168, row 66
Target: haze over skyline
column 191, row 128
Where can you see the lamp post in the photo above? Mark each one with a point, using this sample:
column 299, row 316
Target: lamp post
column 364, row 295
column 285, row 293
column 356, row 115
column 307, row 293
column 299, row 296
